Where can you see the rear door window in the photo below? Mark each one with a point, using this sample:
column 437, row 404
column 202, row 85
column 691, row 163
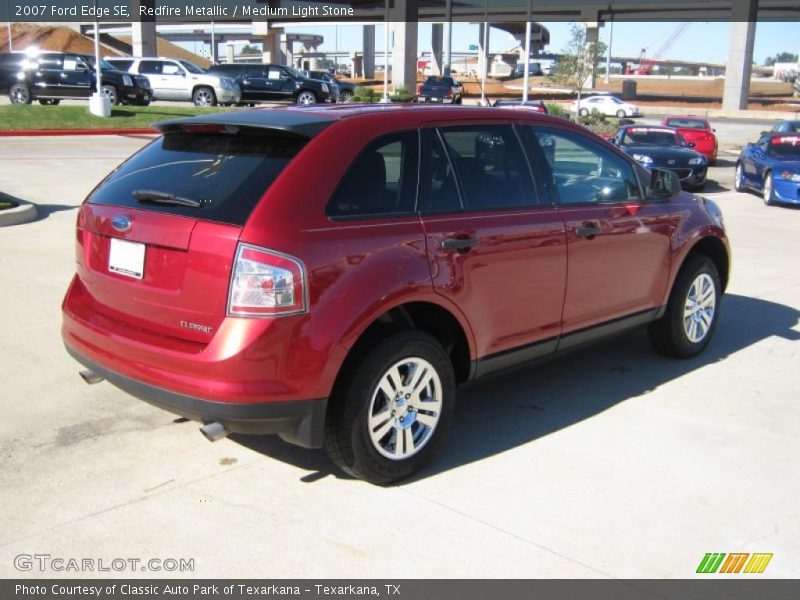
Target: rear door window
column 490, row 166
column 227, row 174
column 381, row 181
column 122, row 65
column 150, row 67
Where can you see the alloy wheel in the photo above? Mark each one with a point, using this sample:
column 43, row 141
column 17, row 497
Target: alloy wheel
column 405, row 408
column 306, row 98
column 203, row 98
column 699, row 309
column 20, row 95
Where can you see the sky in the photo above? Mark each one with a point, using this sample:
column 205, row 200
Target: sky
column 700, row 41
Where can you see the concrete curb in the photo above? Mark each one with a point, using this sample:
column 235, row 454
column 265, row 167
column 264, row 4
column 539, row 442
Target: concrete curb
column 53, row 132
column 24, row 213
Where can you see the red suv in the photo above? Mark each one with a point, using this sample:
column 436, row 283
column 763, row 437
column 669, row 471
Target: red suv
column 331, row 274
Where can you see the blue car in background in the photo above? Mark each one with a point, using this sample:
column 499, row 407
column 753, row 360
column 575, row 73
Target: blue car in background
column 771, row 166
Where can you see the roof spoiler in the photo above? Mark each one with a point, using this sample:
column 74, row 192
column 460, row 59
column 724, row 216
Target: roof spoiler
column 291, row 122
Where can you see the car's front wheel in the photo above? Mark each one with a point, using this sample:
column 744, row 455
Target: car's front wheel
column 768, row 192
column 692, row 312
column 621, row 114
column 391, row 408
column 204, row 96
column 584, row 112
column 345, row 96
column 19, row 94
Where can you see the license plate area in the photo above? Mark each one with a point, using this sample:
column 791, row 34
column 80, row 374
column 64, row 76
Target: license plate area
column 126, row 258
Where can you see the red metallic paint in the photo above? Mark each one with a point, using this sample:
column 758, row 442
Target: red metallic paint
column 704, row 139
column 508, row 291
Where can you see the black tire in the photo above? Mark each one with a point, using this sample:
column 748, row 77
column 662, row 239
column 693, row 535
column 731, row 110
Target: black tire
column 49, row 101
column 768, row 189
column 306, row 97
column 204, row 96
column 19, row 93
column 111, row 92
column 668, row 334
column 458, row 100
column 584, row 112
column 347, row 436
column 143, row 103
column 738, row 178
column 345, row 96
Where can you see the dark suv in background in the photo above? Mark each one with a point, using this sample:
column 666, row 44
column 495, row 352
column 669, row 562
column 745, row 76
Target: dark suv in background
column 346, row 89
column 50, row 77
column 275, row 83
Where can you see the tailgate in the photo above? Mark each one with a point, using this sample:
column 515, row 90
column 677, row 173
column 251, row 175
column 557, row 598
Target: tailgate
column 181, row 288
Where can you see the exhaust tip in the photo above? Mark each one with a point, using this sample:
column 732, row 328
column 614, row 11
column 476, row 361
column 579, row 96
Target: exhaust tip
column 214, row 432
column 91, row 377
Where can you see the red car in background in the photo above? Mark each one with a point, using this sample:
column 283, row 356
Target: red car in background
column 697, row 130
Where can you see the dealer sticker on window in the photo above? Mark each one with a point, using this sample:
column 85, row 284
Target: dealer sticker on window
column 126, row 258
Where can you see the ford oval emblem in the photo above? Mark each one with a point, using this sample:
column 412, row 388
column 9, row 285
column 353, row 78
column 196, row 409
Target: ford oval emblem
column 121, row 223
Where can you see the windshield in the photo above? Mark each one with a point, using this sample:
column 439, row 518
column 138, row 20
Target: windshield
column 652, row 137
column 688, row 123
column 615, row 100
column 788, row 146
column 224, row 175
column 191, row 67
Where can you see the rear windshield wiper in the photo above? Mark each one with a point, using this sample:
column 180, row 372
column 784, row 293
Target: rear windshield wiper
column 164, row 198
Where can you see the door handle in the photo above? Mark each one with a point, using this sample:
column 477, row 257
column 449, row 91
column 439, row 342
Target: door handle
column 588, row 231
column 459, row 243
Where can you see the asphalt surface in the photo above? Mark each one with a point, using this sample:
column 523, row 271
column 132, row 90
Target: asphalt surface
column 608, row 462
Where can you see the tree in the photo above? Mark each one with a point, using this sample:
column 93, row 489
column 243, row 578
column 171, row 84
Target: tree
column 787, row 57
column 248, row 49
column 578, row 59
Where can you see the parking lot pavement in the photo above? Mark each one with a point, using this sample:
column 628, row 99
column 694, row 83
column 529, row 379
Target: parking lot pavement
column 608, row 462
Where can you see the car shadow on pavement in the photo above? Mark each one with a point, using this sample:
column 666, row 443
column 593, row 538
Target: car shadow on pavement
column 509, row 409
column 42, row 210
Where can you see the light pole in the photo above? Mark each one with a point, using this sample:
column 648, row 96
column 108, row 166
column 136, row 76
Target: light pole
column 608, row 53
column 385, row 99
column 526, row 78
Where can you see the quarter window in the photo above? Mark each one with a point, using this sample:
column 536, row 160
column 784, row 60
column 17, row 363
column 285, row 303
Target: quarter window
column 382, row 180
column 582, row 172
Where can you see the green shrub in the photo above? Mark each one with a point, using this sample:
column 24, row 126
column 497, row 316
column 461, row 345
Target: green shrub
column 402, row 95
column 555, row 109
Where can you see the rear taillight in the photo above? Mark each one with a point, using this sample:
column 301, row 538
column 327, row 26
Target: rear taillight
column 449, row 92
column 419, row 89
column 266, row 283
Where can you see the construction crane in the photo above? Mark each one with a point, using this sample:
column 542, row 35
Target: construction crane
column 645, row 66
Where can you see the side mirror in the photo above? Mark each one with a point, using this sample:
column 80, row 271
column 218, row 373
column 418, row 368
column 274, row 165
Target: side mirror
column 664, row 183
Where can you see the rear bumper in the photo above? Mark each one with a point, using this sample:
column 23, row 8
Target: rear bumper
column 299, row 422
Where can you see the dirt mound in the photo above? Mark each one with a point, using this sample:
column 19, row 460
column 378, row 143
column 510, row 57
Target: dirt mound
column 169, row 50
column 59, row 39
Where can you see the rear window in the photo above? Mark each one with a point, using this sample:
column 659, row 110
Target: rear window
column 122, row 65
column 227, row 174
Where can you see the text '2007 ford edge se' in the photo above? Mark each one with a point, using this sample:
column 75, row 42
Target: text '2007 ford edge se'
column 331, row 274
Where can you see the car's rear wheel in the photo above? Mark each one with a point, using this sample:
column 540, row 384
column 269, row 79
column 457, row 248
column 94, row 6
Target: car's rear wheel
column 204, row 96
column 738, row 178
column 143, row 103
column 584, row 112
column 306, row 97
column 49, row 101
column 768, row 193
column 391, row 408
column 692, row 312
column 19, row 94
column 621, row 114
column 345, row 96
column 110, row 92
